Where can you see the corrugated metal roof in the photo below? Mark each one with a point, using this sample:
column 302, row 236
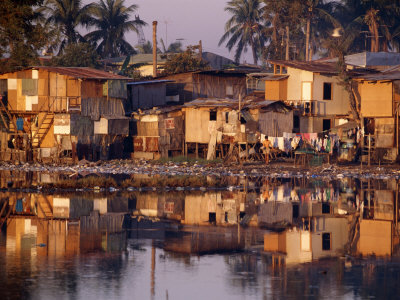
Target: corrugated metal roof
column 317, row 67
column 83, row 73
column 274, row 77
column 249, row 103
column 157, row 110
column 389, row 74
column 148, row 82
column 368, row 59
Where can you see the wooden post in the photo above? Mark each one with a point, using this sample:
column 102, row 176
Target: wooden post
column 200, row 50
column 154, row 48
column 369, row 150
column 240, row 104
column 397, row 204
column 197, row 150
column 397, row 128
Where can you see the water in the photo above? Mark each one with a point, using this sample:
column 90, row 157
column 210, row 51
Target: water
column 335, row 239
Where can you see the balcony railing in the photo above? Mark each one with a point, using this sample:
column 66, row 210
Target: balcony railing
column 306, row 107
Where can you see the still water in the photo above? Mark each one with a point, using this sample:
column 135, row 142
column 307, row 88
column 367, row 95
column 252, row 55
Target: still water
column 276, row 239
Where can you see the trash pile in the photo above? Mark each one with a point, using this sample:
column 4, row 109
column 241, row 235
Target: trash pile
column 150, row 168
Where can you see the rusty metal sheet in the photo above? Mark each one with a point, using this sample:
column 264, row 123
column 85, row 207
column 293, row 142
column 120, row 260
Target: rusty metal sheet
column 138, row 144
column 151, row 144
column 169, row 207
column 227, row 139
column 170, row 123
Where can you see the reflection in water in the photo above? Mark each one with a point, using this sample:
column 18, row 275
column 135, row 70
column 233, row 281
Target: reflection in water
column 246, row 243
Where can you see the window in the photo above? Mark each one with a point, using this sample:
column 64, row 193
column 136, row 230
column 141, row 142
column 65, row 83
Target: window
column 296, row 122
column 229, row 90
column 327, row 91
column 296, row 211
column 213, row 115
column 212, row 217
column 326, row 241
column 227, row 117
column 326, row 124
column 326, row 208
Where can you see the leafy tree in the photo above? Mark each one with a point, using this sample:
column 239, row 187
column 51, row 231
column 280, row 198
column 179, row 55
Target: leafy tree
column 111, row 18
column 283, row 23
column 146, row 48
column 175, row 47
column 67, row 15
column 77, row 55
column 20, row 37
column 184, row 62
column 244, row 28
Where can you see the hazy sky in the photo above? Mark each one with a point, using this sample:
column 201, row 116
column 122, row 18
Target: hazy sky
column 191, row 20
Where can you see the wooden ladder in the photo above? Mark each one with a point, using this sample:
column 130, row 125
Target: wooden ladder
column 43, row 128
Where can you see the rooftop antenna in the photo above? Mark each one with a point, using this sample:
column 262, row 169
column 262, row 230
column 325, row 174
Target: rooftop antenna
column 166, row 22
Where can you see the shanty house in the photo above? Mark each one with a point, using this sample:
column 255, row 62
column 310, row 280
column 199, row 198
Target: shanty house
column 209, row 122
column 212, row 126
column 312, row 87
column 54, row 109
column 379, row 97
column 148, row 94
column 159, row 132
column 220, row 84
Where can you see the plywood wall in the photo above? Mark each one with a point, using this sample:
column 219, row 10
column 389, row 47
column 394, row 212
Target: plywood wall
column 276, row 90
column 196, row 124
column 376, row 99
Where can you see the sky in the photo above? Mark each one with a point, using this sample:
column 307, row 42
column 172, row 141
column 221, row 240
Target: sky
column 190, row 20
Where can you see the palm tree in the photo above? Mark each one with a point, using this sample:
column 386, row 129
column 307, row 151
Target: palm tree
column 111, row 18
column 283, row 21
column 67, row 15
column 379, row 18
column 319, row 23
column 244, row 28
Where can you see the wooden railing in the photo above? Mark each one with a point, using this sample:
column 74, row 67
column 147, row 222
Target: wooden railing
column 306, row 107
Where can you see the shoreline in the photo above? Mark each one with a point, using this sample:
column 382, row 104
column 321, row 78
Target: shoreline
column 255, row 169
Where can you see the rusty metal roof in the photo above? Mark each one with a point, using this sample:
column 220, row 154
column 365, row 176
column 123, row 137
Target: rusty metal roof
column 272, row 77
column 312, row 66
column 83, row 73
column 387, row 75
column 247, row 103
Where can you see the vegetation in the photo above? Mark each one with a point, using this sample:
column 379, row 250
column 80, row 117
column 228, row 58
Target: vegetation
column 244, row 28
column 66, row 15
column 184, row 62
column 20, row 37
column 77, row 55
column 111, row 20
column 298, row 29
column 285, row 29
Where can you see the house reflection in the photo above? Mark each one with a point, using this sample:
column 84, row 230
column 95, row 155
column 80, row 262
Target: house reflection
column 59, row 226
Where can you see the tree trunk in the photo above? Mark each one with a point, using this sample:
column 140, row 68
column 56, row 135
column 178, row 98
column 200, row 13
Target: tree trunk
column 376, row 36
column 307, row 38
column 287, row 43
column 255, row 58
column 371, row 31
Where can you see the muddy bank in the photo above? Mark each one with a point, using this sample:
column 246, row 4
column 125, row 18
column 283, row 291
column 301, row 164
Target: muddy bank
column 216, row 169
